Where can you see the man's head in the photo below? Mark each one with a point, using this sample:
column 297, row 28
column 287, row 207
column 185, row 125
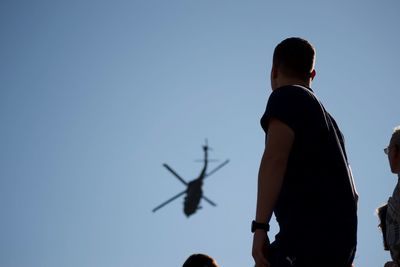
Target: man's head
column 393, row 151
column 293, row 61
column 200, row 260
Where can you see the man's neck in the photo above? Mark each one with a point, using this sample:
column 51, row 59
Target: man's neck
column 284, row 81
column 294, row 82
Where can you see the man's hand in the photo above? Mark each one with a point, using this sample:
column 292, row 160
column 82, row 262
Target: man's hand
column 260, row 248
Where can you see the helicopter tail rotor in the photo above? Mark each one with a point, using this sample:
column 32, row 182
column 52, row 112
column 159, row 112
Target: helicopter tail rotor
column 206, row 147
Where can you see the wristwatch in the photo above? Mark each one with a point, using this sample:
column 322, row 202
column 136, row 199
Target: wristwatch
column 256, row 225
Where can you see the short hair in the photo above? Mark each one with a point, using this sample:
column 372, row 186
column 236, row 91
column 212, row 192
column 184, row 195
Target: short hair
column 295, row 57
column 200, row 260
column 396, row 135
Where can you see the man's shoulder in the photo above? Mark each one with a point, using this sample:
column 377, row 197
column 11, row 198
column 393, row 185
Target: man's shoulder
column 294, row 96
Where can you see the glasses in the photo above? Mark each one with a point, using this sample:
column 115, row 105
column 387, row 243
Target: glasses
column 386, row 149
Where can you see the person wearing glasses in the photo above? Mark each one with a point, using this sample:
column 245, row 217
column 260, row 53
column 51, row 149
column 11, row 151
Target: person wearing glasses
column 304, row 177
column 390, row 213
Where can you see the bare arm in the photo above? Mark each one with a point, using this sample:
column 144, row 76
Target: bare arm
column 272, row 168
column 270, row 177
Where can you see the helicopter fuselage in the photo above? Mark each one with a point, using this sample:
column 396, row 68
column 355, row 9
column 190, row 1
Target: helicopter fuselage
column 194, row 191
column 194, row 194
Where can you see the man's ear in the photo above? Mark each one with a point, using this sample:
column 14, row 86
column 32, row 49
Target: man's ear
column 396, row 158
column 312, row 74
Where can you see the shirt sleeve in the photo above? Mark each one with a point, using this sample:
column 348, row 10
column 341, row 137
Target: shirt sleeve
column 287, row 105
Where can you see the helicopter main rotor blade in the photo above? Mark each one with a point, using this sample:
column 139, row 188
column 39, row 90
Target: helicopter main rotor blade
column 209, row 201
column 217, row 168
column 168, row 201
column 175, row 174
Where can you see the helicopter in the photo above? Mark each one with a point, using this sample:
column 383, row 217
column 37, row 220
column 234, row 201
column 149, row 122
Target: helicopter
column 194, row 192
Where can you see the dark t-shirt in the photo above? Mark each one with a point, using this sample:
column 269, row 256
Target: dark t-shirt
column 317, row 204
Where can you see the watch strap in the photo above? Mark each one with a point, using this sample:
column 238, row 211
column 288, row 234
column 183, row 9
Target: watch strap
column 256, row 225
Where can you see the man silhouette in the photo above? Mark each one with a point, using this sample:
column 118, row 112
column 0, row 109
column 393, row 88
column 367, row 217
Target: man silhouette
column 304, row 177
column 392, row 214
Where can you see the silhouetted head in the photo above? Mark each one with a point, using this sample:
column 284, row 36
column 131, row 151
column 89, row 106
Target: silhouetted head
column 293, row 60
column 393, row 151
column 381, row 212
column 200, row 260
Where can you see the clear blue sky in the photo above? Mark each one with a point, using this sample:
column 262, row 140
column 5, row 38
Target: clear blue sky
column 96, row 95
